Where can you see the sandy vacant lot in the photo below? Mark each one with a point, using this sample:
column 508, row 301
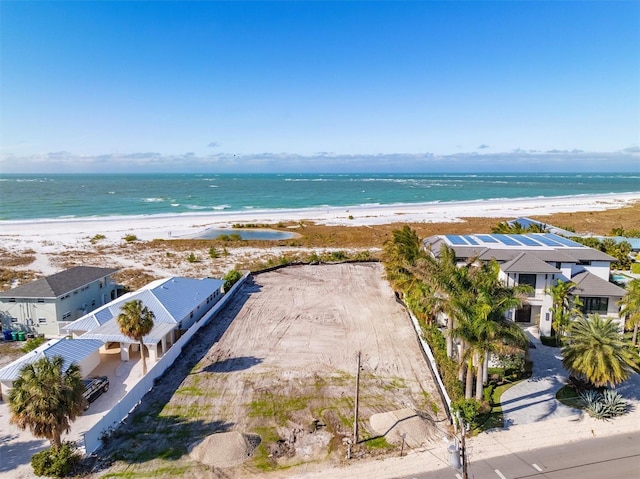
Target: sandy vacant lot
column 271, row 381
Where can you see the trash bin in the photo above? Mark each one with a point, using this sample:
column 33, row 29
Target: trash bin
column 21, row 336
column 454, row 456
column 14, row 335
column 7, row 334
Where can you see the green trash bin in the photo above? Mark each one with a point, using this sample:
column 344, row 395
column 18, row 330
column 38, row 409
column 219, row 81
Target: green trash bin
column 14, row 335
column 21, row 336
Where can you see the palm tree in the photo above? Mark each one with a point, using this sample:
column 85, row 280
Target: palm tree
column 46, row 398
column 136, row 321
column 630, row 307
column 597, row 353
column 565, row 306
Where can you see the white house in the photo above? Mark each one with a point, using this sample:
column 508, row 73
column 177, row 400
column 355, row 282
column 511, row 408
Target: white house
column 540, row 260
column 84, row 352
column 177, row 303
column 47, row 305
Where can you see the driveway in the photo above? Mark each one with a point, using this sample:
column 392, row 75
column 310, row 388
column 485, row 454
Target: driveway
column 17, row 446
column 534, row 400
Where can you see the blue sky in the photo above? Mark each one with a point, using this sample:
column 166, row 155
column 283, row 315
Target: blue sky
column 320, row 86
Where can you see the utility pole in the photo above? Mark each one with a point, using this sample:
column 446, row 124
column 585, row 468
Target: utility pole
column 355, row 411
column 463, row 451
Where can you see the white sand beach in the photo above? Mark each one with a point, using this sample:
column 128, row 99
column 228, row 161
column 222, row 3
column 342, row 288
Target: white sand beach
column 68, row 231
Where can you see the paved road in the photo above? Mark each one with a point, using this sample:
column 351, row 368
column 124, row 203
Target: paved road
column 609, row 457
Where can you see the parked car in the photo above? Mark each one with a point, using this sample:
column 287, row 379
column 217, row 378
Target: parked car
column 94, row 387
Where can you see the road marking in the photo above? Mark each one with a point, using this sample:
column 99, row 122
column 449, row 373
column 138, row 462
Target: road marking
column 537, row 468
column 500, row 475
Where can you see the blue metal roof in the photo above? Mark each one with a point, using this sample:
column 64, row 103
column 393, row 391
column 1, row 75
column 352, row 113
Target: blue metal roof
column 71, row 350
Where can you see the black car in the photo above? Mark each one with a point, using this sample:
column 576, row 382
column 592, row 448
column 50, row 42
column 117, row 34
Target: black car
column 94, row 387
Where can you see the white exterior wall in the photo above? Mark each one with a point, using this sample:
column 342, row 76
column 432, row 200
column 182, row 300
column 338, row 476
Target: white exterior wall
column 28, row 314
column 89, row 363
column 599, row 268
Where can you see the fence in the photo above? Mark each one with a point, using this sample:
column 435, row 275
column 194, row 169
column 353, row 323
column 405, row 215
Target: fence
column 126, row 405
column 431, row 361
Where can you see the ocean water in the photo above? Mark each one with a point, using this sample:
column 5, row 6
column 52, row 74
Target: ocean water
column 27, row 197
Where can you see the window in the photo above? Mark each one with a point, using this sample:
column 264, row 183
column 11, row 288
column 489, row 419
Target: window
column 529, row 279
column 12, row 300
column 40, row 300
column 42, row 320
column 14, row 320
column 595, row 305
column 66, row 315
column 584, row 263
column 93, row 302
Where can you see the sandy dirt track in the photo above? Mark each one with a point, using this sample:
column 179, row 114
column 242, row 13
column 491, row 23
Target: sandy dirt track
column 279, row 361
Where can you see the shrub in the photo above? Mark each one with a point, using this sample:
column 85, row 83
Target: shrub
column 231, row 278
column 213, row 253
column 603, row 405
column 192, row 258
column 60, row 463
column 97, row 238
column 468, row 409
column 33, row 344
column 129, row 238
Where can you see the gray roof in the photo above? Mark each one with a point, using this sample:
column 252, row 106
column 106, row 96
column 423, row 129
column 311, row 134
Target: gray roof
column 590, row 285
column 59, row 284
column 527, row 263
column 589, row 254
column 72, row 351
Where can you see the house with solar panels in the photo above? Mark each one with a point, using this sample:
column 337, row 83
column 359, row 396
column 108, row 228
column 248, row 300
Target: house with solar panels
column 47, row 305
column 540, row 260
column 177, row 303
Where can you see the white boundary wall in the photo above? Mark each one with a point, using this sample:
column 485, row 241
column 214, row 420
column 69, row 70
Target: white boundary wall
column 432, row 362
column 126, row 405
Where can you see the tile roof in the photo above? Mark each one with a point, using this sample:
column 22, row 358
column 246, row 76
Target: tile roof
column 59, row 284
column 527, row 263
column 590, row 285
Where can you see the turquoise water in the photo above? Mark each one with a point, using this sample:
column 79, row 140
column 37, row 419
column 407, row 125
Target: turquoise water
column 24, row 197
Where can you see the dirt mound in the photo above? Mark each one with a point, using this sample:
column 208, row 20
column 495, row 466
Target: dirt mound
column 416, row 429
column 225, row 449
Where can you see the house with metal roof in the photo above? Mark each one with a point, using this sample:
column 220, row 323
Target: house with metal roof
column 84, row 352
column 47, row 305
column 177, row 303
column 540, row 260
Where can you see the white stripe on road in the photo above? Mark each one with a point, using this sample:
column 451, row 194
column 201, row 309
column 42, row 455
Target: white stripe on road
column 500, row 475
column 537, row 468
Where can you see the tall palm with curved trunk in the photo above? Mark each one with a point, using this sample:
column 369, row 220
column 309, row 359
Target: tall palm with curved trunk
column 630, row 308
column 47, row 398
column 136, row 321
column 565, row 307
column 597, row 353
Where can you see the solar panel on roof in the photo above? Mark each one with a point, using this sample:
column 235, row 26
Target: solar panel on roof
column 504, row 239
column 487, row 238
column 565, row 241
column 526, row 240
column 544, row 239
column 470, row 240
column 456, row 240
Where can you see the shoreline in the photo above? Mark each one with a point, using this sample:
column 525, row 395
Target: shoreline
column 185, row 224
